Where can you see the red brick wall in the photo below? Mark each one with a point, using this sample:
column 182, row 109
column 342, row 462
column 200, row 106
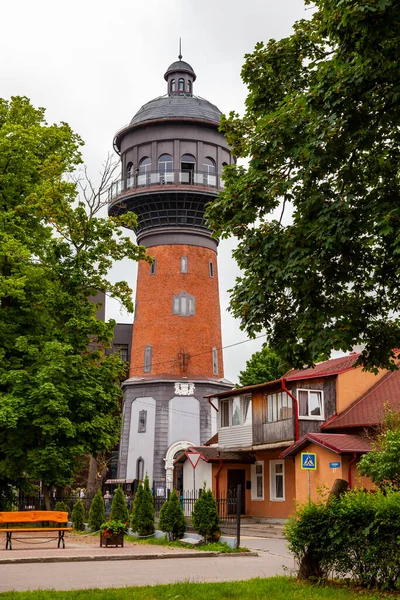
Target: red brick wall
column 169, row 334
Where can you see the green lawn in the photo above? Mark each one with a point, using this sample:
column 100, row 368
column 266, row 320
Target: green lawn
column 274, row 588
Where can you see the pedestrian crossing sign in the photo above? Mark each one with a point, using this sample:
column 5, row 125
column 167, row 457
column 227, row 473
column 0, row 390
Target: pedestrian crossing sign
column 308, row 461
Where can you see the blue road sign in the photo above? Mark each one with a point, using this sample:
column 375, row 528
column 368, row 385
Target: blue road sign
column 308, row 461
column 334, row 465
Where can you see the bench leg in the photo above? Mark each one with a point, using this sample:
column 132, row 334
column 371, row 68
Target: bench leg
column 8, row 540
column 61, row 539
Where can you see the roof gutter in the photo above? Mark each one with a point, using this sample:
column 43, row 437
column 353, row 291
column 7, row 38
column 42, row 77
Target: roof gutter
column 296, row 411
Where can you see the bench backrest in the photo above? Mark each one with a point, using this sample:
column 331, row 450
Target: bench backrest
column 33, row 516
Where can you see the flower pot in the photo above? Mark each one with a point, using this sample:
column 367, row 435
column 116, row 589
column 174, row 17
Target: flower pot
column 111, row 539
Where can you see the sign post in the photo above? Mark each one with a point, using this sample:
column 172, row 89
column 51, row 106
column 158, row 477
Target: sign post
column 309, row 463
column 194, row 458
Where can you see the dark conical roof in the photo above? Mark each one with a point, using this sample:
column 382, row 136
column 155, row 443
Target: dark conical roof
column 175, row 107
column 180, row 65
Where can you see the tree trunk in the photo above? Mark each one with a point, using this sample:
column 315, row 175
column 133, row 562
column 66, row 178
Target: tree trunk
column 96, row 468
column 46, row 496
column 339, row 487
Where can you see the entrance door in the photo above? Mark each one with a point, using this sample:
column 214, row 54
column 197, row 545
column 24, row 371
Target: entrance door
column 237, row 477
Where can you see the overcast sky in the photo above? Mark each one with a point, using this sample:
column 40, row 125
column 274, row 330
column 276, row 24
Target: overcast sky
column 94, row 63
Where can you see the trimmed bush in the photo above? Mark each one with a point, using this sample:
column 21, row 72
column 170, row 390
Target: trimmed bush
column 62, row 507
column 205, row 517
column 78, row 516
column 172, row 520
column 119, row 510
column 142, row 520
column 97, row 512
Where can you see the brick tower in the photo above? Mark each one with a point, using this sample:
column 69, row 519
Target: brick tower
column 172, row 155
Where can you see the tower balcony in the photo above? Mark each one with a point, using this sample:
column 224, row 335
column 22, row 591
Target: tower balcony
column 144, row 182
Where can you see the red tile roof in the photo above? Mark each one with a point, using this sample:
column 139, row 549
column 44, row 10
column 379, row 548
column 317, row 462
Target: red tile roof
column 340, row 443
column 215, row 454
column 333, row 366
column 370, row 408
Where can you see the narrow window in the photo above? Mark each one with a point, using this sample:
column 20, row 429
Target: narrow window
column 147, row 359
column 181, row 85
column 277, row 480
column 246, row 403
column 142, row 421
column 140, row 469
column 189, row 86
column 257, row 481
column 184, row 264
column 215, row 361
column 224, row 408
column 122, row 350
column 236, row 411
column 135, row 311
column 153, row 267
column 173, row 85
column 211, row 268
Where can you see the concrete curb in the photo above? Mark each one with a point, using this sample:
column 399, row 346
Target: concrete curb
column 100, row 557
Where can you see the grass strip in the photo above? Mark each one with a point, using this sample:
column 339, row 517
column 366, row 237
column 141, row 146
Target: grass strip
column 273, row 588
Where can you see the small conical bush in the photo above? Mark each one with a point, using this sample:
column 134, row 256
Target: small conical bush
column 97, row 512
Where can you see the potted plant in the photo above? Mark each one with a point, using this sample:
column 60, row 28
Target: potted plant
column 112, row 533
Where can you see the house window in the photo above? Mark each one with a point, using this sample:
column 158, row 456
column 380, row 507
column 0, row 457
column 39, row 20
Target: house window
column 140, row 469
column 246, row 409
column 183, row 305
column 215, row 361
column 279, row 407
column 122, row 350
column 142, row 421
column 189, row 86
column 153, row 267
column 147, row 359
column 311, row 405
column 236, row 411
column 277, row 480
column 184, row 264
column 257, row 480
column 173, row 85
column 224, row 408
column 211, row 269
column 181, row 85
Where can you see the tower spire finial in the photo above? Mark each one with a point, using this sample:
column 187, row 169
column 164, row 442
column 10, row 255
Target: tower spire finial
column 180, row 49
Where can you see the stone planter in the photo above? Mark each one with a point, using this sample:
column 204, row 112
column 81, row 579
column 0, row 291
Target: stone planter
column 111, row 539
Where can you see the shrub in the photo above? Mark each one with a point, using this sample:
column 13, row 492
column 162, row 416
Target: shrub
column 78, row 516
column 205, row 518
column 97, row 512
column 172, row 520
column 142, row 520
column 61, row 506
column 119, row 511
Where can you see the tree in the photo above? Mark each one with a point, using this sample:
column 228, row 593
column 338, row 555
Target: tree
column 382, row 464
column 142, row 520
column 321, row 135
column 97, row 512
column 119, row 510
column 262, row 366
column 205, row 517
column 59, row 392
column 172, row 520
column 78, row 516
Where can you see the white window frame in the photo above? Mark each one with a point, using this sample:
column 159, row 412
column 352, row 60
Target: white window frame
column 254, row 477
column 272, row 480
column 242, row 400
column 228, row 402
column 310, row 417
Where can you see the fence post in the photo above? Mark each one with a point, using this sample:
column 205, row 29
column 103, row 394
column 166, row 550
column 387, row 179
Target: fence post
column 238, row 511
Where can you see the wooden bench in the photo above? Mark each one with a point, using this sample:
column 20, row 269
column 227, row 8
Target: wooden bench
column 33, row 516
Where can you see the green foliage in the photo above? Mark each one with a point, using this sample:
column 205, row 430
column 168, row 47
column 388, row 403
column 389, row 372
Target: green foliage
column 59, row 392
column 142, row 520
column 7, row 495
column 205, row 518
column 321, row 134
column 382, row 464
column 172, row 519
column 356, row 535
column 113, row 526
column 62, row 507
column 119, row 510
column 262, row 366
column 78, row 516
column 97, row 512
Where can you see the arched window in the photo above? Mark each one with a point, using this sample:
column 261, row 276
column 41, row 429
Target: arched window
column 144, row 171
column 129, row 175
column 188, row 167
column 153, row 267
column 165, row 168
column 140, row 469
column 189, row 86
column 184, row 264
column 209, row 171
column 181, row 85
column 173, row 86
column 183, row 305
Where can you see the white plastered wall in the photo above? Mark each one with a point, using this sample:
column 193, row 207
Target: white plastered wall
column 142, row 444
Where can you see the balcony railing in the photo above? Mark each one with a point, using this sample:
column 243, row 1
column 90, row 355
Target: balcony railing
column 164, row 178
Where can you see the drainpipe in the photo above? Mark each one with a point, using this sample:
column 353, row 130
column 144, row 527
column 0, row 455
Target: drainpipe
column 217, row 479
column 353, row 460
column 296, row 410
